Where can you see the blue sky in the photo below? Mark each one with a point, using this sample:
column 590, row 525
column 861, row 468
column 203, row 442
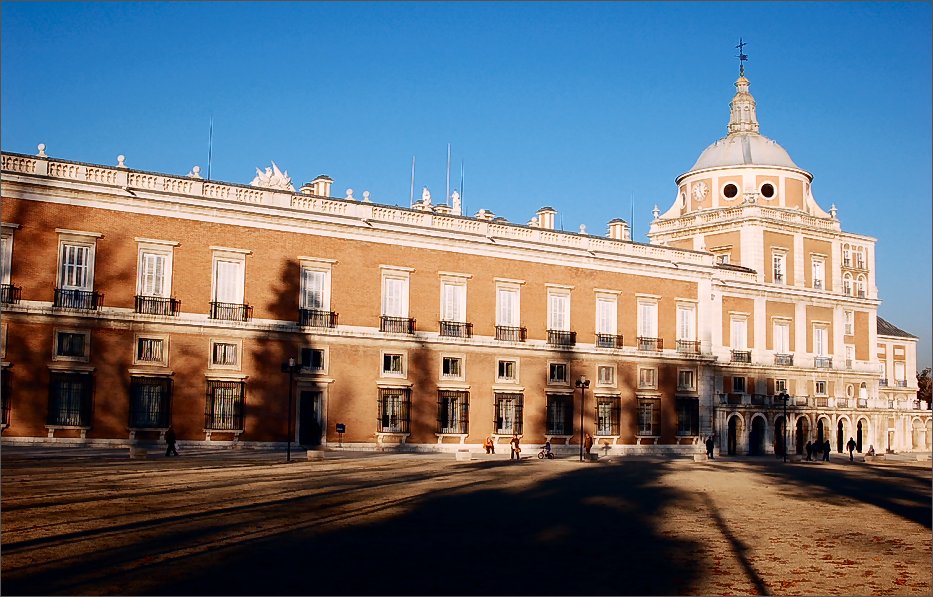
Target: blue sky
column 580, row 106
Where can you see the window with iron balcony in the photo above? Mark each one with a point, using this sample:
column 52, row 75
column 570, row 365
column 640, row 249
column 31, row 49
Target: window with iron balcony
column 786, row 360
column 561, row 338
column 650, row 344
column 741, row 356
column 609, row 341
column 456, row 329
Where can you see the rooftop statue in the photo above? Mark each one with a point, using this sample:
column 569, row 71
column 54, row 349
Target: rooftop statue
column 273, row 178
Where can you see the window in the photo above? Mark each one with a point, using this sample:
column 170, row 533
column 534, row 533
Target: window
column 312, row 358
column 820, row 340
column 648, row 415
column 507, row 306
column 453, row 301
column 606, row 315
column 820, row 388
column 70, row 399
column 223, row 406
column 688, row 416
column 6, row 251
column 150, row 350
column 781, row 339
column 605, row 375
column 76, row 272
column 686, row 379
column 150, row 402
column 72, row 345
column 229, row 276
column 846, row 256
column 314, row 289
column 849, row 322
column 607, row 415
column 393, row 364
column 686, row 322
column 507, row 371
column 738, row 385
column 394, row 410
column 154, row 268
column 558, row 310
column 780, row 386
column 647, row 319
column 723, row 257
column 452, row 367
column 647, row 377
column 508, row 413
column 225, row 354
column 557, row 373
column 778, row 261
column 847, row 284
column 817, row 268
column 559, row 420
column 395, row 282
column 453, row 408
column 860, row 286
column 738, row 326
column 900, row 375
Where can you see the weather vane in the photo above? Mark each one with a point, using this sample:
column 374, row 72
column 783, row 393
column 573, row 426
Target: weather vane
column 742, row 57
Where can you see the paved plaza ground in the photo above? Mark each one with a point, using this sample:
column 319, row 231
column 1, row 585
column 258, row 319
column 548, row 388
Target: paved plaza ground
column 92, row 521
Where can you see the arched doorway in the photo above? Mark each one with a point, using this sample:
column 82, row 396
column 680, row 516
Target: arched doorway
column 916, row 439
column 756, row 437
column 819, row 432
column 803, row 433
column 779, row 425
column 736, row 428
column 858, row 437
column 840, row 436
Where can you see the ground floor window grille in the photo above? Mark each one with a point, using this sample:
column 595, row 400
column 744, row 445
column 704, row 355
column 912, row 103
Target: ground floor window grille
column 70, row 399
column 688, row 416
column 648, row 414
column 453, row 408
column 559, row 414
column 508, row 413
column 607, row 415
column 224, row 405
column 150, row 402
column 394, row 410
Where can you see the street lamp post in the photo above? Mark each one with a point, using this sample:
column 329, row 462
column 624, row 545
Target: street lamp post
column 783, row 396
column 583, row 383
column 291, row 367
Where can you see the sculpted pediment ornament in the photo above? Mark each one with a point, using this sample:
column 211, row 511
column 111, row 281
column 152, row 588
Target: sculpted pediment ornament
column 273, row 178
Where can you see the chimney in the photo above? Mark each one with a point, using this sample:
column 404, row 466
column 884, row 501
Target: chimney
column 546, row 217
column 319, row 186
column 619, row 230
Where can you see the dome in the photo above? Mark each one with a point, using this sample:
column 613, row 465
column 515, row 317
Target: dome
column 744, row 149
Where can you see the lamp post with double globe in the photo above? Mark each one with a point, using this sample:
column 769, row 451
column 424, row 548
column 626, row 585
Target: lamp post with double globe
column 784, row 397
column 583, row 383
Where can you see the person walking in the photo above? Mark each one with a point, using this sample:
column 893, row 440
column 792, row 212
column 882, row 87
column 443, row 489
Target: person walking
column 826, row 449
column 809, row 450
column 489, row 445
column 710, row 444
column 587, row 443
column 516, row 449
column 850, row 446
column 170, row 442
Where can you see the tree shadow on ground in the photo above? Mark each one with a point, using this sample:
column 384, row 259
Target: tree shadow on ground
column 592, row 531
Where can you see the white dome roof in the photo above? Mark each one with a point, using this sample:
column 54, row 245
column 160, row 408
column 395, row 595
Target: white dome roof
column 744, row 149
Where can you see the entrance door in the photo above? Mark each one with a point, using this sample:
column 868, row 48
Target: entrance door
column 309, row 418
column 779, row 447
column 839, row 438
column 858, row 437
column 756, row 439
column 733, row 434
column 890, row 440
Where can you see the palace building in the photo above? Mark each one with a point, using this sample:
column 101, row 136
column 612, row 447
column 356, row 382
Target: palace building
column 135, row 300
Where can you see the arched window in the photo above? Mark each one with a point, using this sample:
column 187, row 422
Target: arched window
column 847, row 284
column 860, row 286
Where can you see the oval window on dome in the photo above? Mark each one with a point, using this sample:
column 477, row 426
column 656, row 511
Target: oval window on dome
column 767, row 190
column 730, row 191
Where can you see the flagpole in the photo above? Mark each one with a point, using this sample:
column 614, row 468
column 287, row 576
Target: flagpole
column 411, row 197
column 210, row 148
column 447, row 195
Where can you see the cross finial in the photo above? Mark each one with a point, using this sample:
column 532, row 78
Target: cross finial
column 742, row 57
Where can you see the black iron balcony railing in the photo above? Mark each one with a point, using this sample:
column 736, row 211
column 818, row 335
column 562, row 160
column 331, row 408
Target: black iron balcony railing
column 741, row 356
column 822, row 401
column 734, row 398
column 787, row 360
column 157, row 305
column 645, row 343
column 688, row 346
column 10, row 294
column 609, row 340
column 511, row 334
column 883, row 382
column 901, row 383
column 561, row 338
column 818, row 284
column 862, row 403
column 778, row 278
column 823, row 362
column 860, row 294
column 89, row 300
column 317, row 318
column 396, row 325
column 846, row 262
column 758, row 399
column 231, row 311
column 456, row 329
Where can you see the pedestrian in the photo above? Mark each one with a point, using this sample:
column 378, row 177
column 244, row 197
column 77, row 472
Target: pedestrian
column 489, row 445
column 587, row 443
column 871, row 451
column 809, row 450
column 170, row 442
column 826, row 449
column 516, row 449
column 851, row 447
column 710, row 444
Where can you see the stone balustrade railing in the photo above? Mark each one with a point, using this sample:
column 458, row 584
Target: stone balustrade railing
column 714, row 216
column 196, row 187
